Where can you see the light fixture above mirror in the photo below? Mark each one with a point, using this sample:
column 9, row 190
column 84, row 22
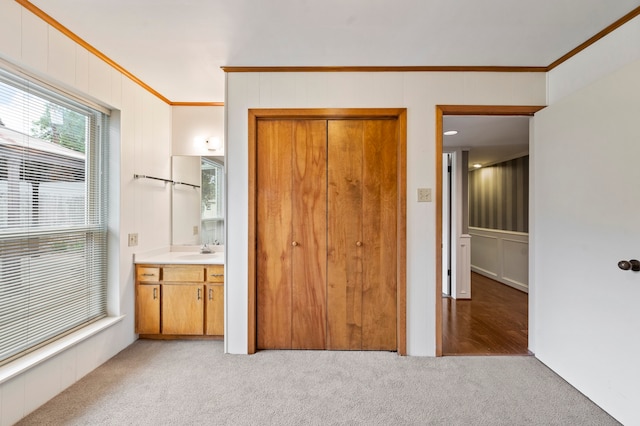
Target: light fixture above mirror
column 214, row 143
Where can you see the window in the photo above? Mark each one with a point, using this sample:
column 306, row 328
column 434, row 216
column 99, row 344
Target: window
column 212, row 200
column 53, row 234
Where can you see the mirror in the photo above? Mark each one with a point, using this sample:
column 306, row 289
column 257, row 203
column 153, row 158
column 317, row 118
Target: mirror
column 197, row 202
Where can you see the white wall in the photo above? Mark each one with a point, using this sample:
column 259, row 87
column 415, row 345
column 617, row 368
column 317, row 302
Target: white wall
column 586, row 209
column 598, row 60
column 193, row 126
column 419, row 92
column 140, row 143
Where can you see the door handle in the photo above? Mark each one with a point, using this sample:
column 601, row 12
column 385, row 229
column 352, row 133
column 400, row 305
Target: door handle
column 210, row 294
column 155, row 293
column 632, row 264
column 199, row 294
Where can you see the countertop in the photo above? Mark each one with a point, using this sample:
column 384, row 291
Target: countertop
column 182, row 255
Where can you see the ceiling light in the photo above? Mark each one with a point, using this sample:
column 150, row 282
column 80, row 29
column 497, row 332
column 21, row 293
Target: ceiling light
column 477, row 165
column 450, row 132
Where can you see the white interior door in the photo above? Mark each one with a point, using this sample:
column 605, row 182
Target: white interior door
column 586, row 214
column 446, row 224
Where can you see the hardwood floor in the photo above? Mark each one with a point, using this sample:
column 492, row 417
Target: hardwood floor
column 493, row 322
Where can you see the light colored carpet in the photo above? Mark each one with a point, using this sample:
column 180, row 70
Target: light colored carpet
column 194, row 383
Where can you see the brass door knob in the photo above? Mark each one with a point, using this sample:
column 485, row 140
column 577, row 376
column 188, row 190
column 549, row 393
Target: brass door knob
column 632, row 264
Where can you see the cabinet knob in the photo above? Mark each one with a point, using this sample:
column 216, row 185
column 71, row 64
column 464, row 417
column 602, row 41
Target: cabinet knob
column 359, row 243
column 294, row 244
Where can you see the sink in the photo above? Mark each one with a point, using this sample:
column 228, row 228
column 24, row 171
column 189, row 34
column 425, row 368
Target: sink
column 200, row 256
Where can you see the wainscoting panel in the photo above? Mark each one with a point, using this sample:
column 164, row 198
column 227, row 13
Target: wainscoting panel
column 501, row 255
column 484, row 254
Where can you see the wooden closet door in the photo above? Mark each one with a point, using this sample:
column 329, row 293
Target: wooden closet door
column 344, row 235
column 379, row 235
column 291, row 237
column 309, row 231
column 273, row 245
column 361, row 256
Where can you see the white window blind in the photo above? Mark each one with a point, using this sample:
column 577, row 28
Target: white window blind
column 52, row 215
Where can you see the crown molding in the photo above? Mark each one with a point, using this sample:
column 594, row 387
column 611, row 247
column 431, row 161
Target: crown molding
column 608, row 30
column 196, row 104
column 64, row 30
column 73, row 36
column 417, row 68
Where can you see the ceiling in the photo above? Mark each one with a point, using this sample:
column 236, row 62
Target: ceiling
column 178, row 46
column 489, row 139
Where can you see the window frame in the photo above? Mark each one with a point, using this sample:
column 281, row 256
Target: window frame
column 217, row 221
column 94, row 230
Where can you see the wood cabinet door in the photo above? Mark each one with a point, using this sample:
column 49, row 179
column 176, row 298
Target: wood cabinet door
column 291, row 241
column 183, row 273
column 183, row 309
column 215, row 274
column 147, row 274
column 361, row 255
column 147, row 309
column 214, row 313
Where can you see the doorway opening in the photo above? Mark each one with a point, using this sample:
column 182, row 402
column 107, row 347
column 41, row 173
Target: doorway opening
column 493, row 318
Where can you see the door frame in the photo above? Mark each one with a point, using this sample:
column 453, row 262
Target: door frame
column 399, row 114
column 442, row 110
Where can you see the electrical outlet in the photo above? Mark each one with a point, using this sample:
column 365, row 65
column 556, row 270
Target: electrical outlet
column 424, row 195
column 133, row 240
column 195, row 230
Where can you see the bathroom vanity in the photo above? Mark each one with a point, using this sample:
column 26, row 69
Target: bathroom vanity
column 180, row 295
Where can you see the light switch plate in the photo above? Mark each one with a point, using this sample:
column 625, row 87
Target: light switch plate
column 133, row 240
column 424, row 195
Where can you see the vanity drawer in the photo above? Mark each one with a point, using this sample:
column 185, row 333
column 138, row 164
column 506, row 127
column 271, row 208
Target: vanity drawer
column 147, row 274
column 183, row 273
column 215, row 273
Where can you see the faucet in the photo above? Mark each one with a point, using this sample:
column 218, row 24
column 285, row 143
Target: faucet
column 205, row 248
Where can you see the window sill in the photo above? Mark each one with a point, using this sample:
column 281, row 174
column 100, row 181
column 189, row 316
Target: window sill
column 38, row 356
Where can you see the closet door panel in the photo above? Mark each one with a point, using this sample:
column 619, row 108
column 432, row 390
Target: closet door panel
column 309, row 229
column 379, row 213
column 273, row 245
column 344, row 232
column 326, row 264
